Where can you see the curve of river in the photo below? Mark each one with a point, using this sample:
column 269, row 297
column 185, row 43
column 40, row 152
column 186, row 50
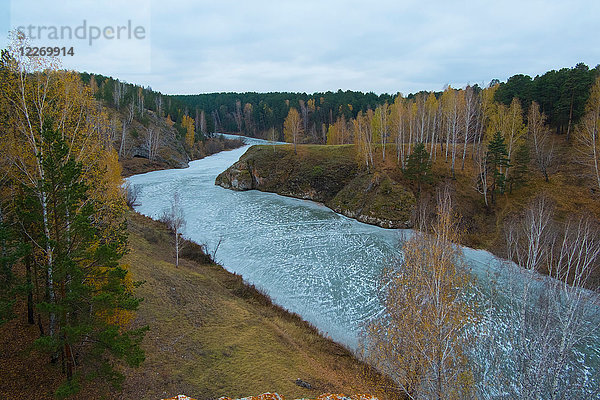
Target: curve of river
column 307, row 258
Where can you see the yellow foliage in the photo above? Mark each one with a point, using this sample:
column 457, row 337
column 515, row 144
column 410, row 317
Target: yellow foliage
column 421, row 340
column 169, row 121
column 588, row 132
column 189, row 124
column 292, row 127
column 35, row 92
column 332, row 137
column 118, row 316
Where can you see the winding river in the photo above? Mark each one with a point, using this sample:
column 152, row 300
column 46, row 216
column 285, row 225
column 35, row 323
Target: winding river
column 307, row 258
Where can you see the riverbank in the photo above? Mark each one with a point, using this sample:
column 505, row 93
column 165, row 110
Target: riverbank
column 211, row 335
column 326, row 174
column 140, row 165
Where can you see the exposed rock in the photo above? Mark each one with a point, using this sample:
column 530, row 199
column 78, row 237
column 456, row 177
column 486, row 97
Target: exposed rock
column 325, row 396
column 237, row 177
column 303, row 384
column 321, row 175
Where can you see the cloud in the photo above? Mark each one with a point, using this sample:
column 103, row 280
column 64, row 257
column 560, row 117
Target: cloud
column 384, row 46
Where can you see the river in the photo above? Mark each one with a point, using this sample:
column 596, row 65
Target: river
column 307, row 258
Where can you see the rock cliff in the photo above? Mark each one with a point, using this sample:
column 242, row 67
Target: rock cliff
column 327, row 174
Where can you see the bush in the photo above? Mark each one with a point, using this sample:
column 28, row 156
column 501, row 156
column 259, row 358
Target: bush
column 212, row 146
column 131, row 195
column 196, row 252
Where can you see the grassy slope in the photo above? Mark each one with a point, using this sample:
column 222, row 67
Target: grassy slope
column 329, row 174
column 211, row 335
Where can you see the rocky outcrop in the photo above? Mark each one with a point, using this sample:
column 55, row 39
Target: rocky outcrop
column 277, row 396
column 320, row 174
column 377, row 200
column 237, row 177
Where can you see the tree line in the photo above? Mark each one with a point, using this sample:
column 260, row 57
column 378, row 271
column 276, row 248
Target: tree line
column 465, row 127
column 561, row 96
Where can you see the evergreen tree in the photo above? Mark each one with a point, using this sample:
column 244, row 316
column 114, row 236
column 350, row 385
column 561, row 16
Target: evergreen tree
column 9, row 253
column 418, row 166
column 520, row 169
column 497, row 161
column 90, row 291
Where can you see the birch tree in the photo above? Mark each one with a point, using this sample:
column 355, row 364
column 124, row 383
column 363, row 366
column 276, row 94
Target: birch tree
column 67, row 195
column 544, row 322
column 432, row 106
column 482, row 182
column 188, row 124
column 451, row 119
column 420, row 340
column 397, row 118
column 292, row 127
column 469, row 113
column 514, row 128
column 540, row 139
column 152, row 141
column 363, row 138
column 379, row 127
column 129, row 114
column 175, row 221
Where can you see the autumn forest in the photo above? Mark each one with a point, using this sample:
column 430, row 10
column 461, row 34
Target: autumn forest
column 511, row 167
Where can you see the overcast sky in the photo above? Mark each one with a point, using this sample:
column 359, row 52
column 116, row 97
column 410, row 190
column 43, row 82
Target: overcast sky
column 307, row 46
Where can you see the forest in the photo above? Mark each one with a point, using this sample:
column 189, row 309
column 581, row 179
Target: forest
column 560, row 94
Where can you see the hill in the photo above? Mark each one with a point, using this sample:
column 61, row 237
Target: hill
column 142, row 130
column 327, row 174
column 211, row 335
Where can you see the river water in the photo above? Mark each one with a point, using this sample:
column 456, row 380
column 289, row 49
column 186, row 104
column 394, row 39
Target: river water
column 307, row 258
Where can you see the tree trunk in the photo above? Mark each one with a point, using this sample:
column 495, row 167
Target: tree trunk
column 570, row 117
column 30, row 316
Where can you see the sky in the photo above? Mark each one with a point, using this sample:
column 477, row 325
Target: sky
column 310, row 46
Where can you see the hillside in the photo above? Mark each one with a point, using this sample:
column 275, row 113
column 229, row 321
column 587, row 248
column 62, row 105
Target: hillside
column 148, row 130
column 211, row 335
column 168, row 150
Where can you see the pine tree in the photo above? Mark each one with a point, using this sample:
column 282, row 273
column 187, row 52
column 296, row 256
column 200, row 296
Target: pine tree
column 520, row 170
column 497, row 161
column 90, row 289
column 61, row 188
column 418, row 166
column 9, row 253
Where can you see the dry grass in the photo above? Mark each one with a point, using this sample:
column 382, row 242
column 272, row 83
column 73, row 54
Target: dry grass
column 211, row 335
